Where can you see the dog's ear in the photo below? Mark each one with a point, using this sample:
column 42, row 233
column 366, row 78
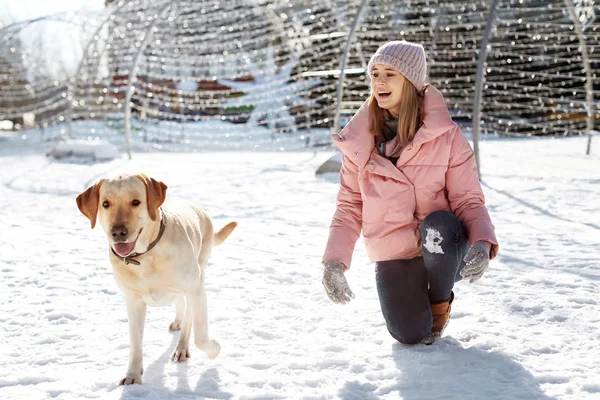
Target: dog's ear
column 156, row 193
column 88, row 202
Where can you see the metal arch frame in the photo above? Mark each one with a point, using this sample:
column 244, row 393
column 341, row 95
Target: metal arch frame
column 481, row 65
column 479, row 81
column 73, row 86
column 340, row 88
column 26, row 23
column 588, row 72
column 133, row 70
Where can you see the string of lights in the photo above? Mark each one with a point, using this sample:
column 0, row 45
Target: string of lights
column 230, row 61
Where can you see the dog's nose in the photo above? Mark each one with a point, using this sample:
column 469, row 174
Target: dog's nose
column 119, row 232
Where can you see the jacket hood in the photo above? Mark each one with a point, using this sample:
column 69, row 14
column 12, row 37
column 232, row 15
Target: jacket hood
column 356, row 141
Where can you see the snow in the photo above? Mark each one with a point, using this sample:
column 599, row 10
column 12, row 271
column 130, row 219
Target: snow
column 527, row 330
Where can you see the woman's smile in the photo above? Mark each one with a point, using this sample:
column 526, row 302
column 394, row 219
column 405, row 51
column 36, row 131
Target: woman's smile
column 383, row 94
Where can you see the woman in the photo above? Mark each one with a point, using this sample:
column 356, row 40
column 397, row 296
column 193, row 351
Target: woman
column 409, row 181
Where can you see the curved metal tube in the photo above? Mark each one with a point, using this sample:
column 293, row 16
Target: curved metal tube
column 340, row 88
column 589, row 90
column 73, row 86
column 479, row 81
column 52, row 17
column 132, row 72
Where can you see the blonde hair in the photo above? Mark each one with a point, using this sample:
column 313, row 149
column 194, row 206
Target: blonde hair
column 409, row 113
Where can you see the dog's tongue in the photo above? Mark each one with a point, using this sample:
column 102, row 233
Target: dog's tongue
column 124, row 248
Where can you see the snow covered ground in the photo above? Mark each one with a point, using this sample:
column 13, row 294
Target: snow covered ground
column 530, row 329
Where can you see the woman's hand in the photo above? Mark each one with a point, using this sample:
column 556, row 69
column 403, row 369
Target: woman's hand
column 477, row 261
column 335, row 283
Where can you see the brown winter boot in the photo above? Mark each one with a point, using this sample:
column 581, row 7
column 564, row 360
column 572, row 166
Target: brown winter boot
column 441, row 315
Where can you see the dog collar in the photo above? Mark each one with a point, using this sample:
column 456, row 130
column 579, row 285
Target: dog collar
column 129, row 259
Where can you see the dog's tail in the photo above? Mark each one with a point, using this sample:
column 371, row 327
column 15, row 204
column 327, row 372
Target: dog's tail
column 224, row 233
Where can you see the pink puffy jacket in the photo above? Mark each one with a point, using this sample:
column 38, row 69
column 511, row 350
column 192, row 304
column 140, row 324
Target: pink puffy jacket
column 388, row 202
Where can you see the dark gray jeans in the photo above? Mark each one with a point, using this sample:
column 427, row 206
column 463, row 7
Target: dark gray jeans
column 407, row 287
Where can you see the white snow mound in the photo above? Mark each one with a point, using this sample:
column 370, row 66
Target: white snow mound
column 98, row 150
column 333, row 164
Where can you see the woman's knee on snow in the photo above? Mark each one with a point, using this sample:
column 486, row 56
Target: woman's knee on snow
column 410, row 330
column 409, row 336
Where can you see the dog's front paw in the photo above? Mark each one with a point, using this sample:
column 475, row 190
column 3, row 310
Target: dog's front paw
column 130, row 379
column 180, row 354
column 175, row 326
column 212, row 348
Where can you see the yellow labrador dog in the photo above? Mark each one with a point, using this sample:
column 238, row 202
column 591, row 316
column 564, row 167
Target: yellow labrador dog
column 158, row 253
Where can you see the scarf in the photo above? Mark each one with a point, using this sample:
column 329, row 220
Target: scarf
column 387, row 142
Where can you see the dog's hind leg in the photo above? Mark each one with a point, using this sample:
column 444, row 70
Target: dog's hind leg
column 179, row 314
column 197, row 302
column 182, row 351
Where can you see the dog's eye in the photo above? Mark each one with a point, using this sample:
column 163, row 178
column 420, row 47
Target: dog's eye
column 106, row 204
column 136, row 203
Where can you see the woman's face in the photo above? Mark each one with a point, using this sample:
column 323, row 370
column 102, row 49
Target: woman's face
column 386, row 84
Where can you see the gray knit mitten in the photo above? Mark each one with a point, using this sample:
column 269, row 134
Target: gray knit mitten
column 335, row 283
column 477, row 261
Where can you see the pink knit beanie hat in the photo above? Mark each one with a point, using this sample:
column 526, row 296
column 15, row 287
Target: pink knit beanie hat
column 405, row 57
